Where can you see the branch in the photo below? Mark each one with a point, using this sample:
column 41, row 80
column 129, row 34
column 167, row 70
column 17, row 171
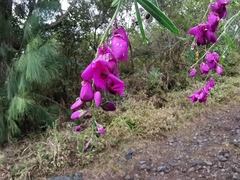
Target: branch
column 62, row 17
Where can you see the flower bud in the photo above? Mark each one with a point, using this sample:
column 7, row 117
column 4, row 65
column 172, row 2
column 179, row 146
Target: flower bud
column 193, row 72
column 108, row 106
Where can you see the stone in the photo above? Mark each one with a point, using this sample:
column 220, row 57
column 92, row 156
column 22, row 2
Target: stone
column 129, row 154
column 163, row 168
column 76, row 176
column 191, row 169
column 127, row 177
column 142, row 162
column 222, row 158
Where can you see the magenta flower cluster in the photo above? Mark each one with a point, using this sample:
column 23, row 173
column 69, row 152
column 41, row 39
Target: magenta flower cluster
column 201, row 94
column 212, row 63
column 102, row 74
column 205, row 34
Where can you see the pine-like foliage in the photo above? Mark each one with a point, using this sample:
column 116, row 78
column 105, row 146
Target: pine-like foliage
column 31, row 73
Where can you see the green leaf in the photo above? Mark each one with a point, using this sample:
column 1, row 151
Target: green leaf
column 158, row 15
column 182, row 38
column 230, row 42
column 221, row 60
column 140, row 22
column 155, row 2
column 114, row 3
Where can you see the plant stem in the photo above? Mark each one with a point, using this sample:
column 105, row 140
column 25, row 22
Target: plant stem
column 111, row 22
column 93, row 118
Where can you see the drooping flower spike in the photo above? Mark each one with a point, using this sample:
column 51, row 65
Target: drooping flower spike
column 102, row 75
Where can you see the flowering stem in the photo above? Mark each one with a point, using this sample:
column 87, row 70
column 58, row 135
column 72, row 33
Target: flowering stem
column 205, row 15
column 93, row 118
column 111, row 22
column 229, row 22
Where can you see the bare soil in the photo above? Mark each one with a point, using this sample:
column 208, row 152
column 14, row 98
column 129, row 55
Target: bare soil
column 206, row 148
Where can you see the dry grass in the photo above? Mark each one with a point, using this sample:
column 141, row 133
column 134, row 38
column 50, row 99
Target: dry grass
column 43, row 155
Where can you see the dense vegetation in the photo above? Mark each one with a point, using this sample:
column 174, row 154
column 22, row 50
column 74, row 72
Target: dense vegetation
column 44, row 49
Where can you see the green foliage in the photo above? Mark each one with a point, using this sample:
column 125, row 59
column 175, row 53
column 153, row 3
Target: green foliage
column 19, row 105
column 158, row 15
column 32, row 26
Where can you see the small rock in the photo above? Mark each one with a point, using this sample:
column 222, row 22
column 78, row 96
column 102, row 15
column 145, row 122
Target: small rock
column 127, row 177
column 236, row 169
column 163, row 168
column 136, row 177
column 237, row 118
column 197, row 162
column 162, row 173
column 173, row 163
column 191, row 169
column 208, row 163
column 76, row 176
column 222, row 158
column 129, row 154
column 142, row 162
column 143, row 166
column 220, row 165
column 234, row 176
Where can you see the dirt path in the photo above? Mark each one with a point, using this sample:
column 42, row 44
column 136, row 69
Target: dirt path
column 206, row 148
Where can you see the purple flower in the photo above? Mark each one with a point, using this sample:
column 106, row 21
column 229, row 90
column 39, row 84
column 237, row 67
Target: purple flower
column 193, row 72
column 223, row 2
column 201, row 94
column 119, row 47
column 114, row 85
column 123, row 34
column 77, row 104
column 97, row 98
column 88, row 143
column 100, row 128
column 204, row 34
column 213, row 21
column 194, row 96
column 87, row 74
column 101, row 73
column 212, row 60
column 211, row 82
column 86, row 93
column 141, row 9
column 78, row 128
column 77, row 114
column 209, row 85
column 219, row 69
column 204, row 68
column 108, row 106
column 106, row 55
column 220, row 8
column 104, row 64
column 87, row 115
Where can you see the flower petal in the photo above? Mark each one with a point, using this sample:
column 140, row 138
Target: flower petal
column 97, row 98
column 86, row 93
